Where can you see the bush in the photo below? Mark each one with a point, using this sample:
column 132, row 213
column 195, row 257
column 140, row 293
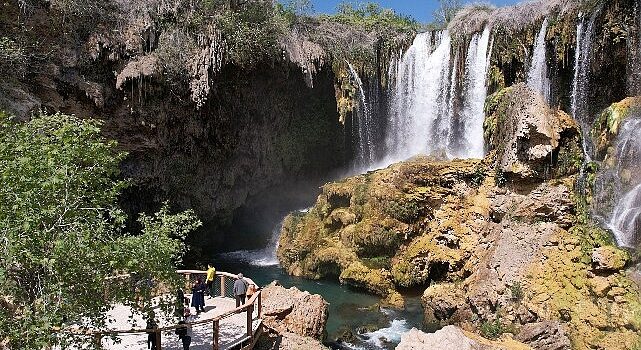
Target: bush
column 517, row 291
column 492, row 329
column 404, row 211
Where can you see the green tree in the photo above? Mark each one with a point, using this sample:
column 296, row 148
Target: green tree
column 446, row 10
column 62, row 239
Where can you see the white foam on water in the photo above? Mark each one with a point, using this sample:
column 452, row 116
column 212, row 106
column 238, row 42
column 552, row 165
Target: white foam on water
column 391, row 334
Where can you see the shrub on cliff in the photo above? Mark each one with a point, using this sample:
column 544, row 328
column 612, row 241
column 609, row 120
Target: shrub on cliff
column 64, row 255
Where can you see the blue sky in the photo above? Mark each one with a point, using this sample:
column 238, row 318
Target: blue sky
column 421, row 10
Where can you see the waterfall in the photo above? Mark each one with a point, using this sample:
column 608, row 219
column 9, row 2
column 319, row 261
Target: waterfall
column 476, row 66
column 259, row 257
column 622, row 183
column 420, row 98
column 362, row 125
column 580, row 85
column 537, row 77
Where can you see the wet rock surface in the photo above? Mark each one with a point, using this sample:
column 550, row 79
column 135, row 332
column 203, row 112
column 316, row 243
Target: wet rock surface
column 531, row 140
column 293, row 311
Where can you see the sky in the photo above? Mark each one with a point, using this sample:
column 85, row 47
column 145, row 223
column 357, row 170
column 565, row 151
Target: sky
column 421, row 10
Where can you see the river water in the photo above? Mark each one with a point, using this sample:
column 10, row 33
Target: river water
column 356, row 321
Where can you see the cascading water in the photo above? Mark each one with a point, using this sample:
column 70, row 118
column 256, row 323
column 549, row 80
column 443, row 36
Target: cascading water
column 362, row 125
column 618, row 187
column 537, row 77
column 259, row 257
column 423, row 118
column 473, row 115
column 419, row 98
column 580, row 86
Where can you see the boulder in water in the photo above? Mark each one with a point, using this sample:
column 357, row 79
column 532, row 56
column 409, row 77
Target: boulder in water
column 293, row 311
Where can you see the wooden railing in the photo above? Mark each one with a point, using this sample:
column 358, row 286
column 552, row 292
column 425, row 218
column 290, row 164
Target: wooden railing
column 254, row 303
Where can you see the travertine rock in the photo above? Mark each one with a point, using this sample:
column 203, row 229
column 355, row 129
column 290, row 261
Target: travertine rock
column 548, row 335
column 531, row 140
column 452, row 337
column 293, row 311
column 608, row 259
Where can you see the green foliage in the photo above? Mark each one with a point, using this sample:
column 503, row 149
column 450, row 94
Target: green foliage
column 371, row 16
column 478, row 177
column 404, row 211
column 517, row 291
column 61, row 232
column 251, row 32
column 292, row 10
column 499, row 178
column 492, row 329
column 446, row 11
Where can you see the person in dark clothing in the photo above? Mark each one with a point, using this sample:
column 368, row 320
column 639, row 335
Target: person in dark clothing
column 240, row 290
column 152, row 342
column 180, row 303
column 198, row 296
column 184, row 334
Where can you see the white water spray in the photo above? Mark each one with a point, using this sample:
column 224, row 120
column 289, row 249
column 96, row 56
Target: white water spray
column 580, row 85
column 473, row 115
column 625, row 220
column 420, row 94
column 537, row 77
column 362, row 125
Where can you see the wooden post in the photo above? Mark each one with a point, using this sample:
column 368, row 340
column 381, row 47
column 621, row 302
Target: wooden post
column 97, row 340
column 222, row 286
column 187, row 280
column 216, row 329
column 158, row 339
column 260, row 304
column 250, row 311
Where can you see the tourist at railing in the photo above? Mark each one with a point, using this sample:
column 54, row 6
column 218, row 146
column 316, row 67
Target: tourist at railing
column 240, row 290
column 211, row 276
column 198, row 296
column 184, row 333
column 152, row 341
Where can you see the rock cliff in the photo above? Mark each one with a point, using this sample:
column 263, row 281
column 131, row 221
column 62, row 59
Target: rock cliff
column 500, row 244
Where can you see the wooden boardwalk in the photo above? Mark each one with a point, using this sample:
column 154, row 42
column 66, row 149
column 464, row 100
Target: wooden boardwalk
column 233, row 329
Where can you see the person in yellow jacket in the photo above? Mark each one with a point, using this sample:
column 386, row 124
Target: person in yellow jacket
column 211, row 276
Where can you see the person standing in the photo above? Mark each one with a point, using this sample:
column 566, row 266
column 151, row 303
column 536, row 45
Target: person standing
column 198, row 296
column 211, row 276
column 240, row 290
column 184, row 334
column 152, row 341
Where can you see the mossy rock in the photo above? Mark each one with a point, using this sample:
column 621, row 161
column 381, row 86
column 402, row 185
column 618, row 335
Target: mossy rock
column 606, row 127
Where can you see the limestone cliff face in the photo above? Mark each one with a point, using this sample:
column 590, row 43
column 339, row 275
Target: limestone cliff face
column 500, row 244
column 220, row 137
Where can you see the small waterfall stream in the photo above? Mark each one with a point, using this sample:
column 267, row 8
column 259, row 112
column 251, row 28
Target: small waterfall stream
column 362, row 125
column 620, row 185
column 476, row 67
column 581, row 83
column 537, row 77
